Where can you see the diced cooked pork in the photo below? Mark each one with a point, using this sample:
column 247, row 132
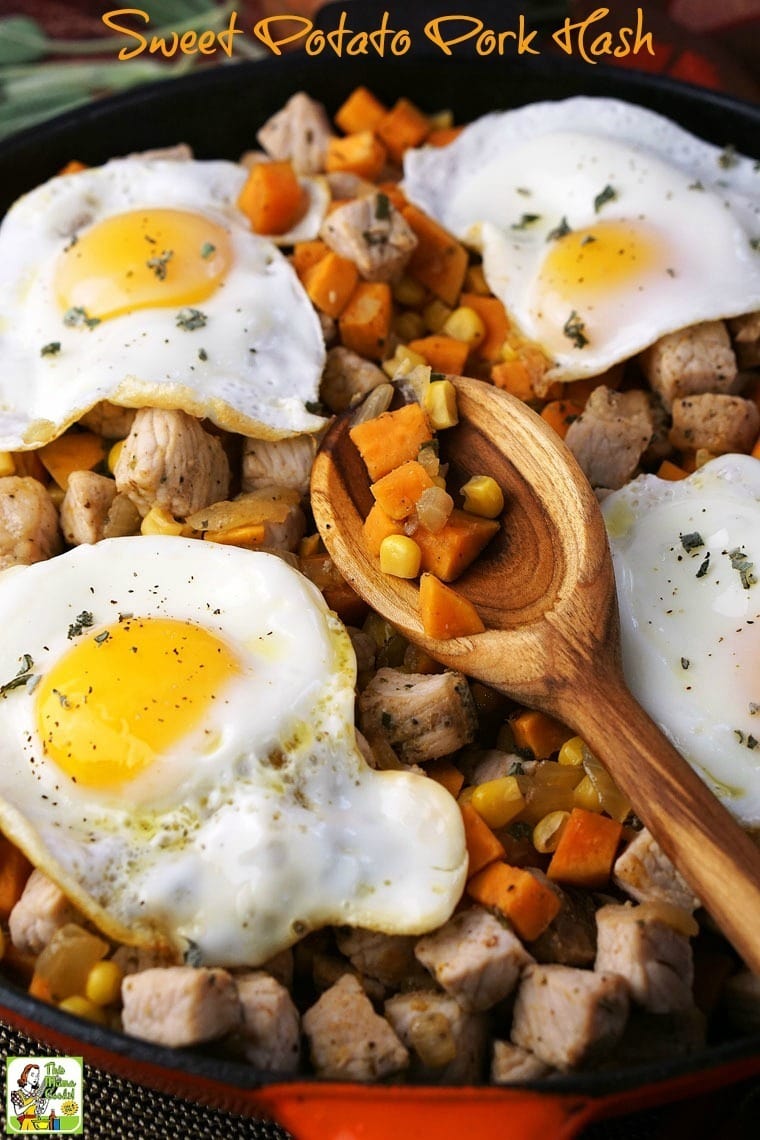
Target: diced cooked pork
column 511, row 1063
column 278, row 463
column 123, row 518
column 389, row 958
column 135, row 959
column 42, row 909
column 85, row 507
column 717, row 423
column 421, row 715
column 474, row 957
column 169, row 461
column 270, row 1027
column 447, row 1042
column 327, row 969
column 569, row 1017
column 344, row 184
column 347, row 375
column 373, row 234
column 181, row 1005
column 491, row 764
column 655, row 960
column 109, row 420
column 298, row 133
column 611, row 434
column 692, row 360
column 347, row 1039
column 746, row 334
column 28, row 522
column 644, row 872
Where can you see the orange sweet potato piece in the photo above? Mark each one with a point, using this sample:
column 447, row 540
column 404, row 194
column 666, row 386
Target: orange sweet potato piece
column 446, row 774
column 360, row 112
column 29, row 463
column 494, row 317
column 442, row 353
column 439, row 261
column 559, row 414
column 528, row 903
column 272, row 198
column 513, row 376
column 365, row 323
column 359, row 153
column 391, row 439
column 378, row 526
column 449, row 552
column 672, row 472
column 322, row 571
column 402, row 127
column 442, row 136
column 398, row 491
column 73, row 451
column 444, row 612
column 542, row 734
column 586, row 850
column 482, row 845
column 306, row 254
column 15, row 869
column 73, row 166
column 331, row 282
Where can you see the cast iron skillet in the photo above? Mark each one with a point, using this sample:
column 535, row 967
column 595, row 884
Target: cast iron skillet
column 218, row 111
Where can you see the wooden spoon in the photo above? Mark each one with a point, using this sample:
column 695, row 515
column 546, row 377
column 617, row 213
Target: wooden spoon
column 545, row 589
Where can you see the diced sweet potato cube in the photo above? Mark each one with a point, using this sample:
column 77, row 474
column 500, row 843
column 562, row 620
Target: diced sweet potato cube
column 365, row 322
column 331, row 282
column 398, row 491
column 377, row 526
column 306, row 254
column 444, row 612
column 74, row 451
column 402, row 127
column 360, row 112
column 359, row 153
column 442, row 353
column 529, row 904
column 451, row 550
column 439, row 261
column 494, row 317
column 391, row 439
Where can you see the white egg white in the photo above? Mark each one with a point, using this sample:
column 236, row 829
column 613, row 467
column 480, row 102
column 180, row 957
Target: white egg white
column 263, row 824
column 252, row 367
column 513, row 180
column 687, row 569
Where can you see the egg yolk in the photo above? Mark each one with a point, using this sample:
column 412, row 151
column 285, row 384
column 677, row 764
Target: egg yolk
column 141, row 260
column 125, row 695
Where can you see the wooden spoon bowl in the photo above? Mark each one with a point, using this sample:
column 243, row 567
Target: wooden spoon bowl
column 545, row 589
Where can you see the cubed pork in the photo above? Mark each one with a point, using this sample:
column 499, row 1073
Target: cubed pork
column 447, row 1042
column 373, row 234
column 510, row 1063
column 655, row 960
column 270, row 1029
column 298, row 133
column 611, row 434
column 389, row 958
column 42, row 909
column 28, row 522
column 644, row 872
column 717, row 423
column 278, row 463
column 346, row 377
column 693, row 360
column 181, row 1005
column 348, row 1040
column 422, row 715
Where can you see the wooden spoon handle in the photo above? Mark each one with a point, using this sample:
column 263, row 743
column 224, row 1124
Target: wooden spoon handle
column 693, row 828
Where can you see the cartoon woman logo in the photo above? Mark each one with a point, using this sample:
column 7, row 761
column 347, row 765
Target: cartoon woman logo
column 30, row 1102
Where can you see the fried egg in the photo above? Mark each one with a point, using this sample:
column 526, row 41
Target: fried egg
column 687, row 568
column 602, row 225
column 187, row 770
column 140, row 282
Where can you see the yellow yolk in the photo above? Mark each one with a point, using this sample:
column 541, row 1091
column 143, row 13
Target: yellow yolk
column 125, row 695
column 588, row 262
column 140, row 260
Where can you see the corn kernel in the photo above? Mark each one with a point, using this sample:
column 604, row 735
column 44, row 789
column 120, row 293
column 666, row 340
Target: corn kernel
column 7, row 463
column 508, row 352
column 475, row 281
column 572, row 752
column 400, row 556
column 465, row 324
column 81, row 1006
column 547, row 832
column 435, row 315
column 159, row 521
column 409, row 292
column 409, row 326
column 103, row 985
column 402, row 362
column 586, row 796
column 483, row 496
column 113, row 455
column 498, row 801
column 440, row 403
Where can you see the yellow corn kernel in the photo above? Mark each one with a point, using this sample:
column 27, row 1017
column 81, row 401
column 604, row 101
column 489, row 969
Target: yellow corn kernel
column 465, row 324
column 159, row 521
column 572, row 752
column 103, row 985
column 435, row 315
column 586, row 796
column 475, row 281
column 409, row 326
column 81, row 1006
column 7, row 463
column 400, row 556
column 402, row 362
column 113, row 455
column 440, row 403
column 547, row 831
column 508, row 352
column 311, row 544
column 409, row 292
column 483, row 496
column 498, row 801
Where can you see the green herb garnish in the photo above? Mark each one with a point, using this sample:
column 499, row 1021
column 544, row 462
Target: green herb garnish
column 51, row 349
column 191, row 319
column 382, row 207
column 23, row 677
column 609, row 194
column 83, row 621
column 525, row 221
column 159, row 263
column 207, row 249
column 559, row 231
column 77, row 317
column 575, row 330
column 691, row 541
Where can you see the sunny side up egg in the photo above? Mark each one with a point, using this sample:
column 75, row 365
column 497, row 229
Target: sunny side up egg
column 141, row 282
column 602, row 225
column 187, row 770
column 687, row 568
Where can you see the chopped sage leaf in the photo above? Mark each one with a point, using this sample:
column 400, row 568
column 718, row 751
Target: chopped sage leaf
column 191, row 319
column 382, row 207
column 207, row 249
column 691, row 541
column 575, row 330
column 101, row 637
column 728, row 157
column 740, row 562
column 559, row 231
column 83, row 621
column 159, row 263
column 685, row 662
column 51, row 349
column 525, row 221
column 76, row 317
column 609, row 194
